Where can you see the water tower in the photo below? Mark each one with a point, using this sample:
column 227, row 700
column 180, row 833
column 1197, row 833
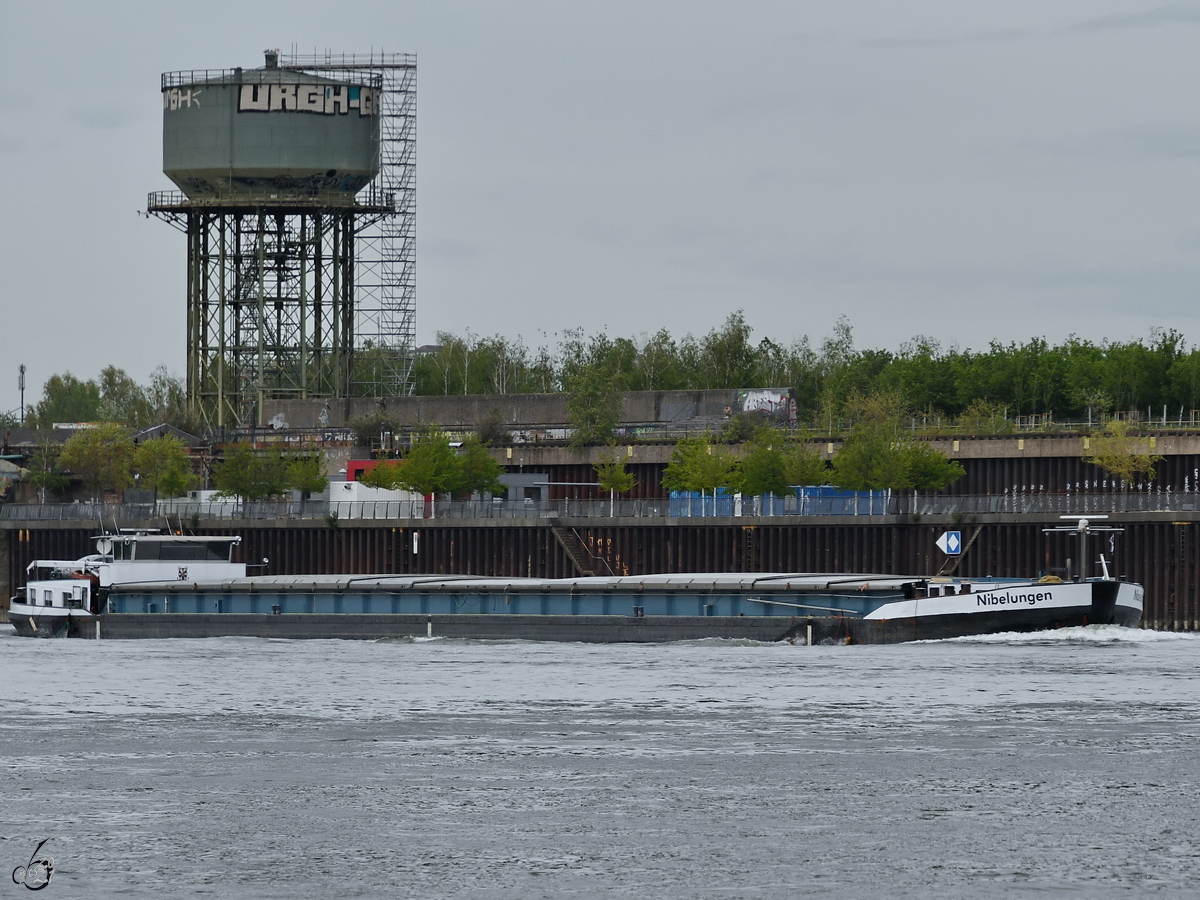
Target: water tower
column 296, row 192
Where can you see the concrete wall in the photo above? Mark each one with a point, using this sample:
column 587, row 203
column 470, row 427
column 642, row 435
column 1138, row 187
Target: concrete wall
column 639, row 407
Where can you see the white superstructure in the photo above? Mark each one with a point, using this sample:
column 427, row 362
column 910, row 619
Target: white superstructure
column 59, row 592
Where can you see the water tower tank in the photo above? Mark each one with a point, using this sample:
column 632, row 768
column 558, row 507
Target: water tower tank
column 269, row 133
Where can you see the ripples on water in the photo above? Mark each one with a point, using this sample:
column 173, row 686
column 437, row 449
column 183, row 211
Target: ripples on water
column 1057, row 764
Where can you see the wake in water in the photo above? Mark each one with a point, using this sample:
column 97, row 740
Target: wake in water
column 1082, row 634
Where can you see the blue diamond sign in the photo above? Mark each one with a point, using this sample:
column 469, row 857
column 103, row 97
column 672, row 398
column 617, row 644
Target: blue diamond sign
column 950, row 543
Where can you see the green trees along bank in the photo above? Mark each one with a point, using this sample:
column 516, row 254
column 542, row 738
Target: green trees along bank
column 105, row 458
column 1072, row 379
column 434, row 466
column 877, row 454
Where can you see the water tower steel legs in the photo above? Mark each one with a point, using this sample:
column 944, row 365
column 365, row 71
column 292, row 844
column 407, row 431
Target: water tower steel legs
column 270, row 309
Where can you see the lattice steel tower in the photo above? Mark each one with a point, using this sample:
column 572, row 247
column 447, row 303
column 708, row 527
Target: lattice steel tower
column 297, row 194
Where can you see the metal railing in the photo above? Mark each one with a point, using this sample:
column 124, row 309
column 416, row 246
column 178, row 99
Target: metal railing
column 109, row 515
column 373, row 201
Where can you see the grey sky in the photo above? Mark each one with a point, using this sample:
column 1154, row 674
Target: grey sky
column 966, row 171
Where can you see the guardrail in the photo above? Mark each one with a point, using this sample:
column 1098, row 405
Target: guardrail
column 191, row 512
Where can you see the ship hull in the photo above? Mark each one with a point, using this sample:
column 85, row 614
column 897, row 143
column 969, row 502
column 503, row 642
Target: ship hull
column 34, row 621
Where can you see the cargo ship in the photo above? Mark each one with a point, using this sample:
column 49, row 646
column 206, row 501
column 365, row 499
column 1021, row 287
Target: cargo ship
column 145, row 585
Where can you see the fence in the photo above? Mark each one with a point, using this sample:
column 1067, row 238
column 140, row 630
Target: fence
column 845, row 503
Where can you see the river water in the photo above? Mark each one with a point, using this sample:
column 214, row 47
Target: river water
column 1056, row 765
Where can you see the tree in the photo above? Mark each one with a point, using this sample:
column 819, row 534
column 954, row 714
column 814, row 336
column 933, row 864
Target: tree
column 696, row 465
column 384, row 475
column 727, row 358
column 123, row 400
column 982, row 417
column 1122, row 454
column 306, row 473
column 761, row 470
column 167, row 395
column 593, row 405
column 741, row 427
column 163, row 466
column 479, row 472
column 777, row 464
column 250, row 475
column 370, row 429
column 877, row 454
column 66, row 399
column 612, row 476
column 431, row 466
column 102, row 457
column 44, row 471
column 803, row 464
column 929, row 470
column 871, row 458
column 493, row 429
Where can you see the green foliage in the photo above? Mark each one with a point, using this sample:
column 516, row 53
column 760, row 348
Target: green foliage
column 475, row 365
column 306, row 473
column 9, row 420
column 696, row 465
column 879, row 454
column 1122, row 454
column 167, row 395
column 369, row 430
column 611, row 474
column 593, row 404
column 761, row 469
column 432, row 465
column 1069, row 380
column 123, row 400
column 102, row 457
column 65, row 399
column 982, row 417
column 435, row 467
column 493, row 430
column 741, row 427
column 929, row 470
column 775, row 463
column 115, row 397
column 164, row 466
column 250, row 474
column 480, row 473
column 258, row 474
column 385, row 475
column 44, row 471
column 803, row 465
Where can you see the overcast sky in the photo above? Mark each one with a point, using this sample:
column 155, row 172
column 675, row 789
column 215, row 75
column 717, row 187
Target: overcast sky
column 967, row 171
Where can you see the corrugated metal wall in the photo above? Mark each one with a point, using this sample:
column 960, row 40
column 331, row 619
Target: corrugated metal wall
column 1163, row 556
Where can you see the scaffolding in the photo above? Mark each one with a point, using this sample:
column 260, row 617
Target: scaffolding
column 290, row 298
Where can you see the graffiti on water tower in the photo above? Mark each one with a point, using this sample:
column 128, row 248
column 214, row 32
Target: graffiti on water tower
column 175, row 98
column 322, row 99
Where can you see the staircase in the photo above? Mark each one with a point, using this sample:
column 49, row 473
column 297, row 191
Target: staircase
column 586, row 563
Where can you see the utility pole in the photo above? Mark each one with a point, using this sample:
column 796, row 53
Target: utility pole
column 21, row 385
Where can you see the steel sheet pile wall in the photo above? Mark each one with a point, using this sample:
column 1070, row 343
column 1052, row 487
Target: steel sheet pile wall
column 989, row 475
column 1058, row 474
column 1162, row 556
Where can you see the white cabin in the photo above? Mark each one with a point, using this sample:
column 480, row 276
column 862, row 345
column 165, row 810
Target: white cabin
column 56, row 587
